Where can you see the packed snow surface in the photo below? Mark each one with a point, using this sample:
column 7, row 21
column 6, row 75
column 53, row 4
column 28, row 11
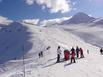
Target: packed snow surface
column 21, row 41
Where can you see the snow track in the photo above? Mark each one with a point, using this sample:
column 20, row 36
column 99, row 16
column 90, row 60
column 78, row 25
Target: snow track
column 41, row 38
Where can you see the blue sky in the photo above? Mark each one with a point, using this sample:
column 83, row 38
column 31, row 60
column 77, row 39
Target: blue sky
column 49, row 9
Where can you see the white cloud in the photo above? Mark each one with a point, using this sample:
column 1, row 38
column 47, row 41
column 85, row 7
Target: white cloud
column 53, row 21
column 30, row 2
column 5, row 21
column 90, row 15
column 54, row 5
column 31, row 21
column 74, row 3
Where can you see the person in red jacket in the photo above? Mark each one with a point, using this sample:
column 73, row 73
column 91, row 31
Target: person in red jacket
column 73, row 55
column 66, row 55
column 81, row 53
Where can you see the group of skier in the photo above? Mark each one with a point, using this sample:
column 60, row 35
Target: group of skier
column 72, row 54
column 40, row 54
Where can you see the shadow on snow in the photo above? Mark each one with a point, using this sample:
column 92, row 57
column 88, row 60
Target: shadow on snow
column 14, row 41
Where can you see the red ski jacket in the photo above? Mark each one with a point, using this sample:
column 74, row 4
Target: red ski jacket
column 66, row 55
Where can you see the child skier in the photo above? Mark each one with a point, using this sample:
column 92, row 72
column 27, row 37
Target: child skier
column 81, row 53
column 66, row 55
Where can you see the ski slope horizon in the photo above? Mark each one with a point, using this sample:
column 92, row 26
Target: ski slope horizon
column 28, row 40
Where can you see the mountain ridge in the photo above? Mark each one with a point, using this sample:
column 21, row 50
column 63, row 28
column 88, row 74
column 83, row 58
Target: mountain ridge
column 81, row 17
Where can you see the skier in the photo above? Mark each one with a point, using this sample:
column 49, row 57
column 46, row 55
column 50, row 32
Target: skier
column 48, row 48
column 41, row 53
column 101, row 51
column 81, row 53
column 66, row 55
column 73, row 55
column 58, row 54
column 87, row 51
column 77, row 51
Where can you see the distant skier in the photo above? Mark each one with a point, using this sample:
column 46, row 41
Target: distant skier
column 40, row 54
column 87, row 51
column 66, row 55
column 77, row 51
column 73, row 55
column 81, row 53
column 101, row 51
column 58, row 54
column 48, row 48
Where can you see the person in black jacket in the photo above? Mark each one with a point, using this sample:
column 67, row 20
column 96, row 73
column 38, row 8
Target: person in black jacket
column 77, row 51
column 101, row 51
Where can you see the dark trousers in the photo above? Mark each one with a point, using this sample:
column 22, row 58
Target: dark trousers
column 101, row 52
column 77, row 54
column 58, row 58
column 72, row 59
column 82, row 55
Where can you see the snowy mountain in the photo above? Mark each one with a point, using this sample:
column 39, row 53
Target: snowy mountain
column 20, row 44
column 98, row 21
column 31, row 21
column 79, row 18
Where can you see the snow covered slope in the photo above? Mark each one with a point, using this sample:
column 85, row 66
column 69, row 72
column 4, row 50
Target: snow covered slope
column 79, row 18
column 98, row 21
column 88, row 33
column 28, row 40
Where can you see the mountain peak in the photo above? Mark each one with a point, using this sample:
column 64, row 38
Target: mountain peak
column 81, row 14
column 78, row 18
